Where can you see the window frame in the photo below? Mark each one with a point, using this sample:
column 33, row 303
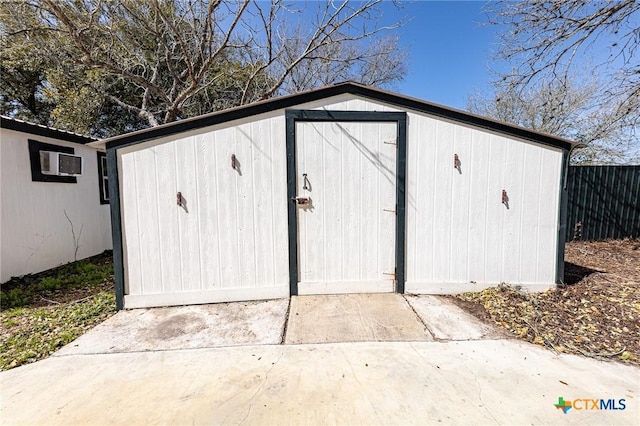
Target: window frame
column 103, row 177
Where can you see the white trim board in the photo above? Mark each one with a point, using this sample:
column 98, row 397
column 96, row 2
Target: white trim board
column 308, row 288
column 455, row 288
column 203, row 297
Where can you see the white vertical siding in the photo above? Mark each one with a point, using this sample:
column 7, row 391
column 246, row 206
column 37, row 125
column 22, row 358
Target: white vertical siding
column 442, row 203
column 228, row 207
column 229, row 242
column 534, row 202
column 130, row 220
column 460, row 203
column 460, row 237
column 346, row 239
column 187, row 182
column 246, row 205
column 549, row 186
column 35, row 235
column 209, row 214
column 495, row 210
column 476, row 165
column 169, row 236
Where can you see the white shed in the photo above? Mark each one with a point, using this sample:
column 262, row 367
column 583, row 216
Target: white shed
column 50, row 214
column 342, row 189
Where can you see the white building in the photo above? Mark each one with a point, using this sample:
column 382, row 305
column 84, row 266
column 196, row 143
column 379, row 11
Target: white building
column 336, row 190
column 54, row 200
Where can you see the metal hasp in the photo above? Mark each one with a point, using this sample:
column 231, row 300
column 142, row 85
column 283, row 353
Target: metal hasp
column 179, row 199
column 305, row 182
column 301, row 201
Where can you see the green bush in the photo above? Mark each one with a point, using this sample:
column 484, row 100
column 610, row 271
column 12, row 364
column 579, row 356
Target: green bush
column 15, row 298
column 50, row 283
column 21, row 291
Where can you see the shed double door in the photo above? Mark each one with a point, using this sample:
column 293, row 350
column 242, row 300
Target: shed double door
column 346, row 206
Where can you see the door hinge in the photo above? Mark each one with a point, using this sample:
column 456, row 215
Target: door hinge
column 392, row 274
column 394, row 210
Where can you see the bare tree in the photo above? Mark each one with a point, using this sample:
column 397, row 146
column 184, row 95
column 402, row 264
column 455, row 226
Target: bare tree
column 553, row 40
column 562, row 108
column 178, row 58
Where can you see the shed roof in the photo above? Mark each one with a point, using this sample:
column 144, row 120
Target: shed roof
column 40, row 130
column 290, row 101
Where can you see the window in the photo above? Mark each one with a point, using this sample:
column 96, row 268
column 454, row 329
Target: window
column 35, row 156
column 103, row 178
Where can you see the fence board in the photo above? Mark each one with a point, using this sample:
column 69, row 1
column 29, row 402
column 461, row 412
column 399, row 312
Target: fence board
column 604, row 202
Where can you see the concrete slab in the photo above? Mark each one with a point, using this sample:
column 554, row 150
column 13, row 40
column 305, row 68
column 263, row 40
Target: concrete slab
column 446, row 321
column 185, row 327
column 471, row 382
column 352, row 318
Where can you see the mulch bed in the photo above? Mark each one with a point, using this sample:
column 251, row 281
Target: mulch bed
column 596, row 313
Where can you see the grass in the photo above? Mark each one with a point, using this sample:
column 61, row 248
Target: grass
column 64, row 281
column 43, row 312
column 597, row 314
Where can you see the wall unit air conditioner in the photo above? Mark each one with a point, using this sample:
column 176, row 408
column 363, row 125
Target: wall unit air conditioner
column 60, row 164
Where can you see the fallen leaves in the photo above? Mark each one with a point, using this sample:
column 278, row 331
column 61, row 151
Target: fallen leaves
column 598, row 315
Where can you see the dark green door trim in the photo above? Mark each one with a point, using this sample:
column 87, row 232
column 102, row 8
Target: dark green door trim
column 116, row 225
column 293, row 116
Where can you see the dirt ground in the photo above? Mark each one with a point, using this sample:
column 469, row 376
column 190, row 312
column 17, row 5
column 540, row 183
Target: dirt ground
column 596, row 313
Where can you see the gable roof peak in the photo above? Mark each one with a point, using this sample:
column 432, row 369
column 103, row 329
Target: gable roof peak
column 292, row 100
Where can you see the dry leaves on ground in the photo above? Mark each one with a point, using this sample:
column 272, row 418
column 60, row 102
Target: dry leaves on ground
column 597, row 314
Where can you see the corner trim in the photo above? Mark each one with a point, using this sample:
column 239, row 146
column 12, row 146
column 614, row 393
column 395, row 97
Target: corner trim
column 562, row 218
column 292, row 211
column 401, row 173
column 116, row 226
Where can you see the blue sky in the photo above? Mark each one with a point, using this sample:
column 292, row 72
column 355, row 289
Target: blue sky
column 450, row 49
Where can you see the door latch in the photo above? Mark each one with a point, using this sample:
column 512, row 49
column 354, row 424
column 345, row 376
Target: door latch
column 301, row 201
